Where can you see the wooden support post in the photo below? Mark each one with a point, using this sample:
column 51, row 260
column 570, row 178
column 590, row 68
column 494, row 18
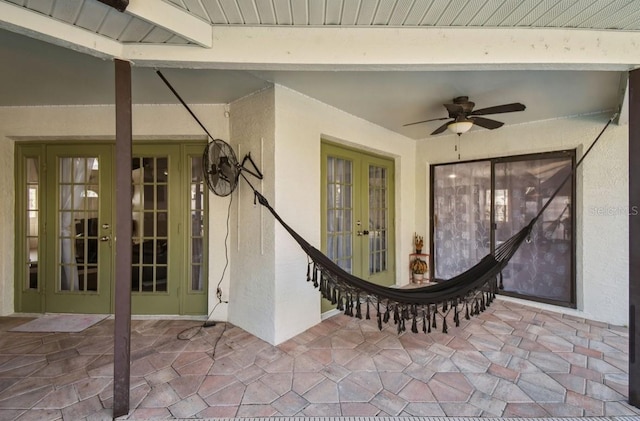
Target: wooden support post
column 634, row 238
column 122, row 328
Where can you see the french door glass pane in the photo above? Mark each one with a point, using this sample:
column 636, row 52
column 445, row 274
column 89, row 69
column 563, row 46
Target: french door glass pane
column 340, row 212
column 33, row 214
column 78, row 224
column 378, row 216
column 197, row 224
column 150, row 224
column 541, row 268
column 462, row 206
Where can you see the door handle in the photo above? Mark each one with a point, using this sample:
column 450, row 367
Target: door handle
column 105, row 238
column 361, row 233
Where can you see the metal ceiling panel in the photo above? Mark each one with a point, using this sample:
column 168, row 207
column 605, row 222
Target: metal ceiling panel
column 485, row 12
column 249, row 12
column 333, row 12
column 586, row 14
column 501, row 13
column 417, row 12
column 43, row 6
column 451, row 12
column 178, row 40
column 266, row 12
column 518, row 14
column 316, row 12
column 158, row 35
column 196, row 8
column 595, row 21
column 631, row 21
column 136, row 31
column 383, row 14
column 350, row 12
column 232, row 11
column 400, row 12
column 367, row 12
column 215, row 12
column 67, row 10
column 572, row 9
column 299, row 13
column 114, row 24
column 432, row 16
column 468, row 13
column 537, row 12
column 92, row 16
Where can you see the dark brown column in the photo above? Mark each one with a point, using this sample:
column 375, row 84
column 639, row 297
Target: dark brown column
column 634, row 238
column 122, row 329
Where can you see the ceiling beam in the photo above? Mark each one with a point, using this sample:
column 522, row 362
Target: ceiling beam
column 35, row 25
column 173, row 19
column 297, row 48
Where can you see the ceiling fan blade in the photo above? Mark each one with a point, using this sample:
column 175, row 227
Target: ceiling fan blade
column 486, row 123
column 441, row 128
column 506, row 108
column 425, row 121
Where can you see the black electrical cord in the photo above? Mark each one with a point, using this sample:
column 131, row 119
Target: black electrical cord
column 186, row 334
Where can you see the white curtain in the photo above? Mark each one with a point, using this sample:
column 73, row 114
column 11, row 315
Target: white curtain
column 76, row 171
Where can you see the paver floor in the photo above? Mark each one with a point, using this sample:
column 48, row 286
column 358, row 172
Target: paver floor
column 512, row 360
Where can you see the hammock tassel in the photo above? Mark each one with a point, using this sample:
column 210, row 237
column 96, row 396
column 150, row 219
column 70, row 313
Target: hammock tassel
column 434, row 325
column 414, row 325
column 424, row 322
column 466, row 314
column 386, row 314
column 309, row 272
column 456, row 316
column 396, row 316
column 340, row 307
column 368, row 317
column 315, row 276
column 444, row 324
column 358, row 307
column 334, row 296
column 501, row 282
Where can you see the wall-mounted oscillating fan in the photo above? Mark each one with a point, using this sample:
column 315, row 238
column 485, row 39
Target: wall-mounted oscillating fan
column 221, row 168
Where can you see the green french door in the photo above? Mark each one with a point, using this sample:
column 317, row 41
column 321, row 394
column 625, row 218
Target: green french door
column 65, row 229
column 79, row 229
column 357, row 213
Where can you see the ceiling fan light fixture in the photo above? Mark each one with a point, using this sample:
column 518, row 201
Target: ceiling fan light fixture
column 460, row 126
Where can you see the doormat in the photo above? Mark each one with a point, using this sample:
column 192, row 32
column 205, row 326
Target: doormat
column 60, row 323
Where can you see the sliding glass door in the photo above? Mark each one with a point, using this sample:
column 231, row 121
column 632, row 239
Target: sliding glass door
column 478, row 205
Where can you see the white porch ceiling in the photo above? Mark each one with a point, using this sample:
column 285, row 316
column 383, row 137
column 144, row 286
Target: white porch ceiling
column 390, row 62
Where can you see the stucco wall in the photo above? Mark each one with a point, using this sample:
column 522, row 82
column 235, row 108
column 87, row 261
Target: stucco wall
column 253, row 293
column 162, row 122
column 602, row 252
column 7, row 233
column 301, row 124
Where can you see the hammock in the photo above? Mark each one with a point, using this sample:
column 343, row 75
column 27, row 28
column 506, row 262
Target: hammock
column 468, row 293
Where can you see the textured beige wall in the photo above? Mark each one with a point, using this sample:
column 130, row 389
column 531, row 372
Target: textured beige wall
column 7, row 234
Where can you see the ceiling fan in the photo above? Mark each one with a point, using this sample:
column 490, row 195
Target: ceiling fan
column 464, row 117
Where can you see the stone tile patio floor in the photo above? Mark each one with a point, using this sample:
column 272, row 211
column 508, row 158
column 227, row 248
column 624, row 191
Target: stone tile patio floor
column 512, row 360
